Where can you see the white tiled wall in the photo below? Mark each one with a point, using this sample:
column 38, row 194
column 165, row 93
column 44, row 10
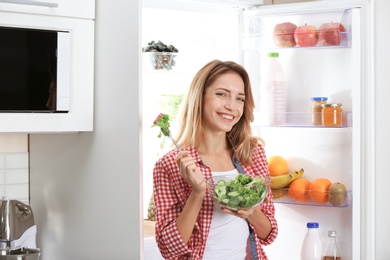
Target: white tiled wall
column 14, row 167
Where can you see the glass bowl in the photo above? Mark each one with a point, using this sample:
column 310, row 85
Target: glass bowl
column 162, row 60
column 238, row 191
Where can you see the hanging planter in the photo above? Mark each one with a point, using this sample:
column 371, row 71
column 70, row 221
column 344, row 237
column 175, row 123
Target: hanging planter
column 161, row 56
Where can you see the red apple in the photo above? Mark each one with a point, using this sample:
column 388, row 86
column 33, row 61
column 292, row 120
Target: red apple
column 306, row 35
column 330, row 34
column 283, row 34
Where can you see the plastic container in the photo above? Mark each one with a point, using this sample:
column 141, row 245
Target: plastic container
column 332, row 115
column 274, row 92
column 311, row 246
column 332, row 251
column 316, row 109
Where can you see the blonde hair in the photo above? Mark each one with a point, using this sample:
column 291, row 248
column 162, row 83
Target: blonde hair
column 190, row 119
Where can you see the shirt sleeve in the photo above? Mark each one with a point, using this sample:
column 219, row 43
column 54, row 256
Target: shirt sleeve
column 167, row 209
column 268, row 210
column 267, row 207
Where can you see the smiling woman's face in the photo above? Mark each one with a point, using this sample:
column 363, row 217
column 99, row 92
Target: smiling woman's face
column 223, row 103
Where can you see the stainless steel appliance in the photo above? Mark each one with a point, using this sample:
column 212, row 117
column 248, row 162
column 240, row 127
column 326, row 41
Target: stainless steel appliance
column 17, row 231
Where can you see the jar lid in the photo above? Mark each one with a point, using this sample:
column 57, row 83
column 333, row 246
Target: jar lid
column 331, row 105
column 312, row 225
column 273, row 54
column 319, row 98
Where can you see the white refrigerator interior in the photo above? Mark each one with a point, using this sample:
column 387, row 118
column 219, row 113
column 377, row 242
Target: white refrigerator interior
column 323, row 152
column 337, row 72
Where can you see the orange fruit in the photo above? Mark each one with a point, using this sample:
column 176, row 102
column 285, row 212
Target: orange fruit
column 277, row 165
column 319, row 189
column 299, row 190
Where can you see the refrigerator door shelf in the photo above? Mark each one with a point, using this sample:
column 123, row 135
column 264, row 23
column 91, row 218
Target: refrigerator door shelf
column 296, row 119
column 281, row 196
column 264, row 42
column 332, row 29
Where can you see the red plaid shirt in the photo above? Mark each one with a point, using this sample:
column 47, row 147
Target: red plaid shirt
column 170, row 195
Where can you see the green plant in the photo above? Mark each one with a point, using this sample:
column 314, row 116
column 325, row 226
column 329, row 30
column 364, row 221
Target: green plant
column 170, row 103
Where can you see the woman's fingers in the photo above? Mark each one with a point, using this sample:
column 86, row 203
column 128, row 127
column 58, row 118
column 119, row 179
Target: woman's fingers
column 239, row 213
column 181, row 155
column 189, row 171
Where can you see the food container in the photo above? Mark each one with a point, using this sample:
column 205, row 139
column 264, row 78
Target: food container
column 229, row 193
column 162, row 60
column 332, row 115
column 316, row 109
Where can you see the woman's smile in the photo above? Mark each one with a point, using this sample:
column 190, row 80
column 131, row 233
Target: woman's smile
column 225, row 116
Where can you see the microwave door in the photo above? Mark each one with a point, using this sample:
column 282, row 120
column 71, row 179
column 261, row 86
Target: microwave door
column 59, row 99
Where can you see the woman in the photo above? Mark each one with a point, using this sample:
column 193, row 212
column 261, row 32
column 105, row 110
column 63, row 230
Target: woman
column 215, row 137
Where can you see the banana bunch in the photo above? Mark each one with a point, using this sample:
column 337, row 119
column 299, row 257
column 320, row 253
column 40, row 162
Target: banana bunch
column 283, row 181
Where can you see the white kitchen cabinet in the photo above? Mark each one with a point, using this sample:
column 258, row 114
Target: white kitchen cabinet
column 67, row 8
column 77, row 18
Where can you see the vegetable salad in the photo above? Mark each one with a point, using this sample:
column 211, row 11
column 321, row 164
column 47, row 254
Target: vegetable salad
column 243, row 192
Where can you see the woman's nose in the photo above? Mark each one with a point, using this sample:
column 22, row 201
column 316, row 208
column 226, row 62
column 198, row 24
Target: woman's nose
column 229, row 103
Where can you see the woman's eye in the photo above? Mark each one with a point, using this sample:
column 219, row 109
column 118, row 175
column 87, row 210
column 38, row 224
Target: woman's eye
column 222, row 94
column 241, row 100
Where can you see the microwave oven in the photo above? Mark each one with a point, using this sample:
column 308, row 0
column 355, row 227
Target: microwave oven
column 34, row 70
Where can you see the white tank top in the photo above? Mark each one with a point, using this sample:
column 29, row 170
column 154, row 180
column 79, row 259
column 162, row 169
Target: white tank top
column 228, row 234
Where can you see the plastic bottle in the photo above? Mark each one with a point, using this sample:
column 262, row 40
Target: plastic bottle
column 311, row 246
column 274, row 92
column 332, row 251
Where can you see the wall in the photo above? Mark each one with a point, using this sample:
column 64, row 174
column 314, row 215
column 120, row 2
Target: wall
column 85, row 187
column 14, row 167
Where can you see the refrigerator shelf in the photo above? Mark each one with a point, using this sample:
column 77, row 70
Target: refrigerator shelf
column 296, row 119
column 266, row 42
column 281, row 197
column 325, row 29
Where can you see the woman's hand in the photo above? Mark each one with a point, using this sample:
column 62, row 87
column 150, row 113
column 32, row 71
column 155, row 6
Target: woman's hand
column 239, row 213
column 190, row 172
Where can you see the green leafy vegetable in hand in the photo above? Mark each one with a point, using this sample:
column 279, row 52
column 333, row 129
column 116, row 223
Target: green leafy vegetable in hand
column 240, row 193
column 162, row 121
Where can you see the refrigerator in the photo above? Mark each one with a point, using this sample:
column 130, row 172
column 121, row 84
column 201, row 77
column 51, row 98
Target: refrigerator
column 339, row 72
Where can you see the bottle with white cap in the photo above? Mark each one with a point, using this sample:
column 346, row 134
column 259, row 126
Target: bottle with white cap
column 312, row 245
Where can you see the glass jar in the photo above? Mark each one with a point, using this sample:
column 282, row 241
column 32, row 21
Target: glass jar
column 332, row 114
column 316, row 108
